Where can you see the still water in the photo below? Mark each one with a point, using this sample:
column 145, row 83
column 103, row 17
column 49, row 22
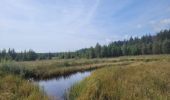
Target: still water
column 57, row 87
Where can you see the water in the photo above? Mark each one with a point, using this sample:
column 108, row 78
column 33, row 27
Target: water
column 57, row 87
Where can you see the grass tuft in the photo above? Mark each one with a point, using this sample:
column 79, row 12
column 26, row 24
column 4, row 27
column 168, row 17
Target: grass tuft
column 137, row 81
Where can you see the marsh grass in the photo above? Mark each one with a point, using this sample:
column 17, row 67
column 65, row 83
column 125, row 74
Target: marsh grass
column 137, row 81
column 49, row 69
column 122, row 78
column 15, row 88
column 53, row 68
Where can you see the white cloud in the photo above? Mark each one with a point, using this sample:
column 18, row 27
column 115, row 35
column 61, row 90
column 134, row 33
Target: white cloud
column 160, row 24
column 165, row 21
column 72, row 24
column 33, row 23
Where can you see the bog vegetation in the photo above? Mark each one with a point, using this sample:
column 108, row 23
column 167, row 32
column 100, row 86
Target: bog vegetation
column 115, row 73
column 45, row 69
column 16, row 88
column 136, row 81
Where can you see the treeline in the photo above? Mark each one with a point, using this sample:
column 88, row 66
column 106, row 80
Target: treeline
column 29, row 55
column 157, row 44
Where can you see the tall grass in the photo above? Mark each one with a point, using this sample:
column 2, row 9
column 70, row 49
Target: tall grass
column 16, row 88
column 125, row 78
column 137, row 81
column 53, row 68
column 49, row 69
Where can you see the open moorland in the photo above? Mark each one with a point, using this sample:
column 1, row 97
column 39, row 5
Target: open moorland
column 140, row 80
column 121, row 78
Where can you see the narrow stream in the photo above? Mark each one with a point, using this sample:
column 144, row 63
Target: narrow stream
column 57, row 87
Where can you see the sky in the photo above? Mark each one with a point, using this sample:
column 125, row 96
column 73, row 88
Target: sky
column 68, row 25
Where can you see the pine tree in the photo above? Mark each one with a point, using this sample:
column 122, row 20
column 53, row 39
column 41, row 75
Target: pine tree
column 98, row 50
column 166, row 46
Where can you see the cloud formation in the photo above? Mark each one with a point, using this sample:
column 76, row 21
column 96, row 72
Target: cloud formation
column 63, row 25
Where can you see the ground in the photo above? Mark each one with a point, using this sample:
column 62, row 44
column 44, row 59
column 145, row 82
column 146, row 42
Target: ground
column 121, row 78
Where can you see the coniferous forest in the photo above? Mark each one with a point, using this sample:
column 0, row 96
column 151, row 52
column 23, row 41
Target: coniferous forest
column 146, row 45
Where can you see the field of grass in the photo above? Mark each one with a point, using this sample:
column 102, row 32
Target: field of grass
column 121, row 78
column 45, row 69
column 16, row 88
column 140, row 80
column 53, row 68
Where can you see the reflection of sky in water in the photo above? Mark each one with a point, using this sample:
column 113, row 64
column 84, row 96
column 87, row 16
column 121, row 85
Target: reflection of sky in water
column 57, row 87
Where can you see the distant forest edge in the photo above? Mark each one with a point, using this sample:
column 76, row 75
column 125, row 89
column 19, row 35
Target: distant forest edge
column 156, row 44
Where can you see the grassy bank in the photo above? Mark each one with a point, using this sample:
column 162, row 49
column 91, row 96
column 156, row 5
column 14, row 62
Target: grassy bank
column 53, row 68
column 16, row 88
column 126, row 78
column 140, row 80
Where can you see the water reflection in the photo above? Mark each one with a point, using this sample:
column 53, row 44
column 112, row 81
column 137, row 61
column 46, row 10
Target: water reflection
column 57, row 87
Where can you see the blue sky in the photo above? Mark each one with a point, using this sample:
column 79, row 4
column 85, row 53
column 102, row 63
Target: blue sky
column 68, row 25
